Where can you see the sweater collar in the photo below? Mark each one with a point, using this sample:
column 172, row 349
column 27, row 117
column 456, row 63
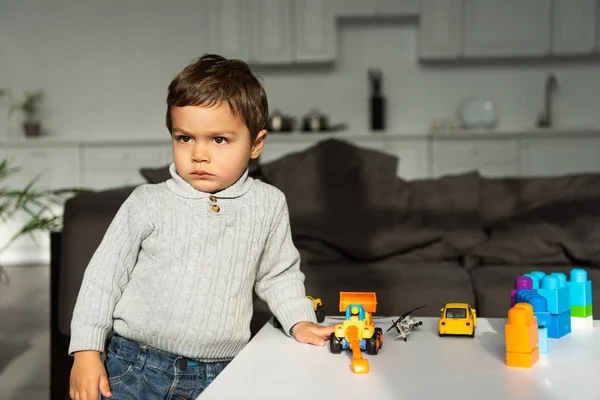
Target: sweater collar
column 182, row 188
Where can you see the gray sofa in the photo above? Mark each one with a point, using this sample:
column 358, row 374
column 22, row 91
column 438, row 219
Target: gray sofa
column 459, row 238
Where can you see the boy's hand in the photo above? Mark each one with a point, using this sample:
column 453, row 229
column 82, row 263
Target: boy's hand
column 307, row 332
column 87, row 376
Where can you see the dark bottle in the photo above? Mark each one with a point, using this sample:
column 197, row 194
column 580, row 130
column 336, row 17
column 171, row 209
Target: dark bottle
column 377, row 101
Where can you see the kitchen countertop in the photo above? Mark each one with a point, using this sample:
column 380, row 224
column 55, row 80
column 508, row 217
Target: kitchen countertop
column 285, row 137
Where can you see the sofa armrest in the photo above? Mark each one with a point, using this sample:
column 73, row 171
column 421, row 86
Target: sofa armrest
column 85, row 221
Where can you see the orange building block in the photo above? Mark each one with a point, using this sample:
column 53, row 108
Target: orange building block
column 521, row 334
column 523, row 360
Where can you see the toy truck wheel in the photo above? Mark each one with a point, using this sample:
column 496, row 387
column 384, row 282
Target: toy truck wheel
column 320, row 312
column 372, row 345
column 335, row 345
column 379, row 334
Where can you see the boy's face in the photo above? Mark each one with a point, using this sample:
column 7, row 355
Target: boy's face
column 211, row 146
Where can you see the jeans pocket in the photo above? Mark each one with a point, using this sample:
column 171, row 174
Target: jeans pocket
column 119, row 368
column 214, row 370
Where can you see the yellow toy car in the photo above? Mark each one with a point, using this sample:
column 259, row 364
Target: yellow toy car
column 457, row 319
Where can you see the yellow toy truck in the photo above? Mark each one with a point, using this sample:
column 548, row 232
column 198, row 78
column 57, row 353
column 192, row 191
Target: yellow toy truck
column 319, row 309
column 357, row 332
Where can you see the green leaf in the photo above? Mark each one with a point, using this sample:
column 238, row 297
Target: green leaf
column 34, row 202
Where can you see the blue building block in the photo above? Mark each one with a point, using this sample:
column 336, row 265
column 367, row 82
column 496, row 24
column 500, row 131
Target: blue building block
column 543, row 340
column 524, row 295
column 540, row 309
column 535, row 279
column 539, row 304
column 554, row 288
column 560, row 325
column 538, row 274
column 580, row 288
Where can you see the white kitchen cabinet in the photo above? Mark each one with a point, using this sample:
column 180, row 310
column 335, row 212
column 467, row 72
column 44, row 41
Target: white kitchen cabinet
column 55, row 167
column 574, row 27
column 508, row 28
column 228, row 28
column 491, row 157
column 376, row 8
column 440, row 29
column 413, row 157
column 291, row 31
column 413, row 154
column 271, row 31
column 558, row 156
column 106, row 167
column 315, row 31
column 280, row 144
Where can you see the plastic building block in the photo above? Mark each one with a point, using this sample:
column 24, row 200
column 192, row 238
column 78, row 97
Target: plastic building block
column 543, row 339
column 539, row 304
column 535, row 279
column 560, row 325
column 521, row 335
column 580, row 288
column 582, row 324
column 523, row 360
column 521, row 283
column 554, row 288
column 538, row 274
column 581, row 311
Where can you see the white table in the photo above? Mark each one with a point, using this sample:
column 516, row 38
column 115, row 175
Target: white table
column 273, row 366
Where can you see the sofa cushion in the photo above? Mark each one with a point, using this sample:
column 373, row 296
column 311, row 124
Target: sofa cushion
column 86, row 219
column 156, row 175
column 448, row 208
column 399, row 286
column 556, row 233
column 493, row 285
column 549, row 220
column 346, row 202
column 499, row 199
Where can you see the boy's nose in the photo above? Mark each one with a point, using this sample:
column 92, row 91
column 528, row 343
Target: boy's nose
column 201, row 154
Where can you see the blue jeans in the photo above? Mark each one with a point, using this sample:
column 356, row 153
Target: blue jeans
column 136, row 371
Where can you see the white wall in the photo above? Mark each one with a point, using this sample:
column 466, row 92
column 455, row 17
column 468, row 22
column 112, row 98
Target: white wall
column 105, row 66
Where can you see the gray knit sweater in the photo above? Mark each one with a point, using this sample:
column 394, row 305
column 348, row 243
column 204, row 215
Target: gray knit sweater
column 177, row 267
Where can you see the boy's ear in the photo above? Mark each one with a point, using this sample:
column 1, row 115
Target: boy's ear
column 258, row 144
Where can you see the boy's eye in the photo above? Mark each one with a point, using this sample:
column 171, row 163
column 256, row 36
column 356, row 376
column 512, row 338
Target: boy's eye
column 183, row 138
column 220, row 140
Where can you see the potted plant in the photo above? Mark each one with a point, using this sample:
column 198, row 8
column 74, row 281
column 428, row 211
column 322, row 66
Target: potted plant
column 37, row 204
column 30, row 107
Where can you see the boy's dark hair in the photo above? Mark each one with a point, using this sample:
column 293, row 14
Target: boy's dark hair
column 213, row 79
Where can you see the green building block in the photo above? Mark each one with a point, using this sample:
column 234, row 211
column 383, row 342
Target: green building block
column 581, row 311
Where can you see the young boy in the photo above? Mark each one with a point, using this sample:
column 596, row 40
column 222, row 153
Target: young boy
column 174, row 273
